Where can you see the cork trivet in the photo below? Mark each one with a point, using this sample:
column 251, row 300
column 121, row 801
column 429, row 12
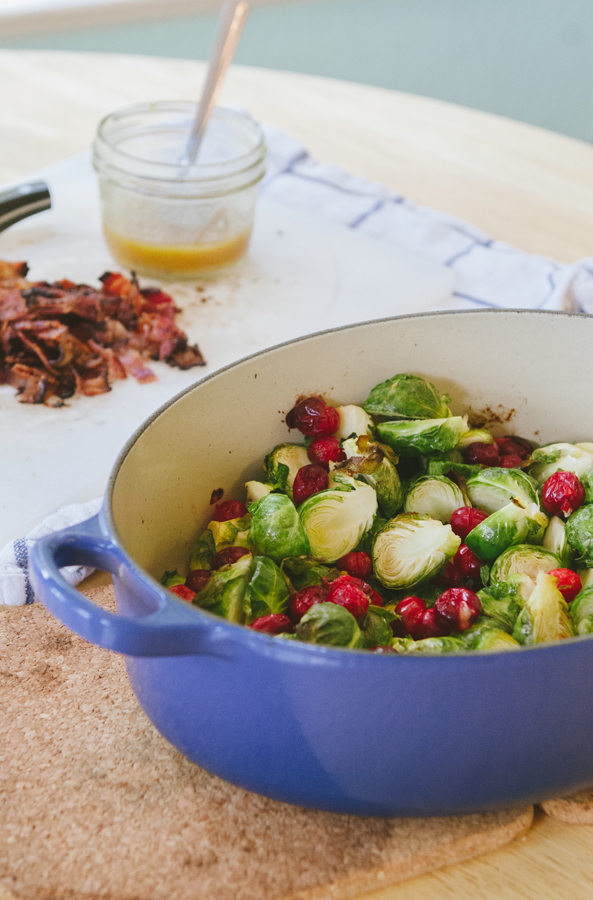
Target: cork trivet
column 94, row 803
column 576, row 809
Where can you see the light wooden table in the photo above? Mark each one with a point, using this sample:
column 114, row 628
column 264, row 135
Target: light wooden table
column 523, row 185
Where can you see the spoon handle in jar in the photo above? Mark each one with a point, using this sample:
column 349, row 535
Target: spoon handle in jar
column 230, row 25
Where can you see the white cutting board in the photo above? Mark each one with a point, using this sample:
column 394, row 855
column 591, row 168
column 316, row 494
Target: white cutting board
column 301, row 275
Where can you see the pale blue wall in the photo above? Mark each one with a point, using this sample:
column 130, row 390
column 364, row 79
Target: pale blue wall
column 527, row 59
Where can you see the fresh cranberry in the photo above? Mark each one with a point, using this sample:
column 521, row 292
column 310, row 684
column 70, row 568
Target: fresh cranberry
column 482, row 454
column 467, row 563
column 359, row 565
column 429, row 625
column 303, row 600
column 513, row 446
column 184, row 592
column 229, row 509
column 345, row 592
column 196, row 579
column 383, row 649
column 451, row 577
column 569, row 583
column 324, row 450
column 412, row 610
column 227, row 557
column 375, row 598
column 313, row 418
column 274, row 624
column 562, row 494
column 309, row 480
column 511, row 461
column 465, row 520
column 457, row 609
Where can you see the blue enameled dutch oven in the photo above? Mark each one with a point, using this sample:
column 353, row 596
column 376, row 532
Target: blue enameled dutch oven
column 341, row 730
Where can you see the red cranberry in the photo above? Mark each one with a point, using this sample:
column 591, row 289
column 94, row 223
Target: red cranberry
column 229, row 509
column 457, row 609
column 412, row 610
column 313, row 418
column 324, row 450
column 375, row 598
column 196, row 579
column 569, row 583
column 274, row 624
column 359, row 565
column 562, row 494
column 429, row 625
column 345, row 592
column 227, row 557
column 303, row 600
column 513, row 446
column 451, row 577
column 467, row 563
column 383, row 649
column 511, row 461
column 482, row 454
column 309, row 480
column 465, row 520
column 184, row 592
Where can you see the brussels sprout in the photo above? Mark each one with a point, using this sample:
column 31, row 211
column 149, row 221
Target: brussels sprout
column 266, row 592
column 579, row 533
column 585, row 445
column 545, row 615
column 411, row 549
column 329, row 623
column 433, row 645
column 232, row 533
column 495, row 640
column 366, row 543
column 353, row 420
column 444, row 464
column 474, row 435
column 203, row 551
column 304, row 571
column 555, row 540
column 437, row 497
column 402, row 645
column 586, row 480
column 375, row 626
column 523, row 559
column 224, row 592
column 408, row 397
column 586, row 576
column 170, row 579
column 335, row 521
column 376, row 464
column 276, row 529
column 581, row 611
column 423, row 435
column 256, row 490
column 544, row 461
column 504, row 600
column 491, row 489
column 282, row 464
column 502, row 529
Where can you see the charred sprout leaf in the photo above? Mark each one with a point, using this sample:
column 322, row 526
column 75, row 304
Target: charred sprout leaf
column 423, row 436
column 232, row 533
column 304, row 571
column 266, row 592
column 524, row 559
column 224, row 592
column 375, row 627
column 581, row 611
column 353, row 421
column 544, row 461
column 555, row 541
column 282, row 464
column 408, row 397
column 491, row 489
column 502, row 529
column 276, row 529
column 434, row 645
column 203, row 551
column 335, row 521
column 545, row 615
column 476, row 434
column 436, row 496
column 579, row 534
column 504, row 600
column 411, row 549
column 586, row 480
column 170, row 579
column 329, row 623
column 257, row 489
column 376, row 465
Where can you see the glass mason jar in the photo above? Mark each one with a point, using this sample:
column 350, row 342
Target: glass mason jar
column 163, row 218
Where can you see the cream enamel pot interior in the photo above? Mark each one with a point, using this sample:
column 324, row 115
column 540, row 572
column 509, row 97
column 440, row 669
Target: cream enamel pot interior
column 348, row 731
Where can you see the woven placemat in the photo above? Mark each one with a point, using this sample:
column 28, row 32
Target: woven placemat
column 94, row 803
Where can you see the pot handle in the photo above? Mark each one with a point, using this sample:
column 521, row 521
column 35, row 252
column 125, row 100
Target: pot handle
column 173, row 629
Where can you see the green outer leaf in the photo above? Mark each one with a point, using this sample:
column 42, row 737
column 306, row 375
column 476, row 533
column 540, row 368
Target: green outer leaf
column 304, row 571
column 366, row 544
column 282, row 463
column 400, row 555
column 503, row 601
column 579, row 533
column 375, row 629
column 491, row 489
column 203, row 551
column 425, row 436
column 407, row 397
column 170, row 579
column 224, row 592
column 524, row 559
column 266, row 592
column 495, row 640
column 502, row 529
column 329, row 623
column 276, row 529
column 484, row 625
column 439, row 466
column 434, row 645
column 387, row 484
column 581, row 611
column 587, row 481
column 434, row 496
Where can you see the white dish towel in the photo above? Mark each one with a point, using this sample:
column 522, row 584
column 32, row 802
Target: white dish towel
column 489, row 274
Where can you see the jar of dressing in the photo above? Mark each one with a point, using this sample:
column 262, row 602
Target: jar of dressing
column 163, row 218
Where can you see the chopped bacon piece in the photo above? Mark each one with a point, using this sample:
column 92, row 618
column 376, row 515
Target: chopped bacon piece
column 132, row 363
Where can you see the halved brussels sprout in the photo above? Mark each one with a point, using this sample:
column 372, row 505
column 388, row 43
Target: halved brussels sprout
column 579, row 533
column 545, row 615
column 232, row 533
column 544, row 461
column 329, row 623
column 256, row 490
column 376, row 464
column 586, row 480
column 224, row 592
column 581, row 611
column 417, row 436
column 304, row 571
column 495, row 640
column 502, row 529
column 436, row 496
column 411, row 549
column 276, row 529
column 282, row 464
column 504, row 600
column 375, row 626
column 335, row 521
column 491, row 489
column 408, row 397
column 353, row 421
column 434, row 645
column 525, row 559
column 555, row 540
column 170, row 579
column 266, row 592
column 474, row 435
column 203, row 551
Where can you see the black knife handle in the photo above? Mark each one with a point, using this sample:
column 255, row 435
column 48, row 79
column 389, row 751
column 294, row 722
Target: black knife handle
column 24, row 200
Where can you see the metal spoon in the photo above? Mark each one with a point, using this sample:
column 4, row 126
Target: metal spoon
column 230, row 25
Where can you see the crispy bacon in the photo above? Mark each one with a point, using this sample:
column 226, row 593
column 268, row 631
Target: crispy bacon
column 61, row 339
